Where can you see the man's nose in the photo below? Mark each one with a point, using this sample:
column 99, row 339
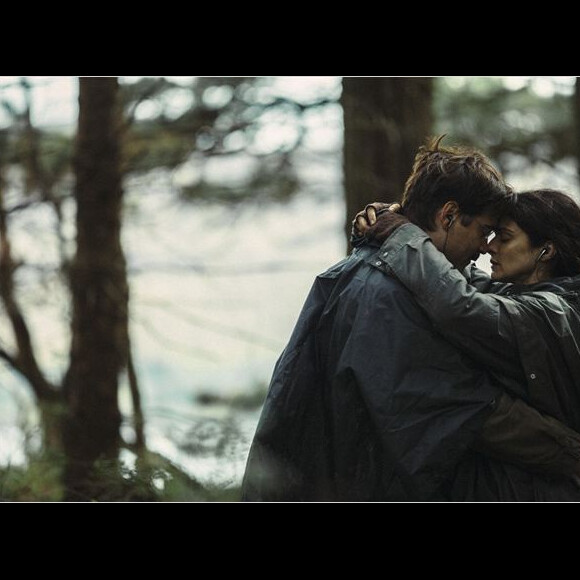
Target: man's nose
column 484, row 247
column 489, row 247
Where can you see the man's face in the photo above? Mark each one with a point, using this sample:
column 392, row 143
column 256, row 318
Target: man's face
column 465, row 243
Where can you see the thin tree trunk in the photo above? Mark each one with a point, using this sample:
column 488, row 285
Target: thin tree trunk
column 99, row 288
column 385, row 120
column 138, row 417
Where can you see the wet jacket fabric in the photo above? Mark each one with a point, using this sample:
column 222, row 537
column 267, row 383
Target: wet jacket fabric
column 527, row 336
column 370, row 402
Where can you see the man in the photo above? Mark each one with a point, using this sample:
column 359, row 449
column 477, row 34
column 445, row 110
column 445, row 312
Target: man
column 367, row 402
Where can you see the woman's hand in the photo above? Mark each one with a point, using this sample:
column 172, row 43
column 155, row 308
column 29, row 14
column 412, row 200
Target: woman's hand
column 368, row 216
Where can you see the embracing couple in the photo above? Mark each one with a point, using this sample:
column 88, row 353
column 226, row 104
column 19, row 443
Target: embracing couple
column 411, row 375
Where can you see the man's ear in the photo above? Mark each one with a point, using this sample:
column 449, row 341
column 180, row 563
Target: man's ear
column 447, row 215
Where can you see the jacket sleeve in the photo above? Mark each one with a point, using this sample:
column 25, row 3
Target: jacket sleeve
column 478, row 323
column 482, row 281
column 519, row 434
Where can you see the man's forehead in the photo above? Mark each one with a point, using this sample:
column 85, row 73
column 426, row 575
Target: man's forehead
column 489, row 219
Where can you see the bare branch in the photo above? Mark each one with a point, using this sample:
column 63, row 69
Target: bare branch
column 8, row 358
column 24, row 361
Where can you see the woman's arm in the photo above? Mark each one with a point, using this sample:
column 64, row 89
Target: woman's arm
column 477, row 322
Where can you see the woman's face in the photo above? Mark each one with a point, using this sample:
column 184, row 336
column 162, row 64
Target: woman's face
column 513, row 259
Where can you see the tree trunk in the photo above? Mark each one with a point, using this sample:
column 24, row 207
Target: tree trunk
column 99, row 289
column 385, row 120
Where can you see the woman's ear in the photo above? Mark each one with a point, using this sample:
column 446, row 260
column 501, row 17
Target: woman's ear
column 547, row 252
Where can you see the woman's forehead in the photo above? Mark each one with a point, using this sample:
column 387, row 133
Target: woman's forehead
column 510, row 226
column 508, row 223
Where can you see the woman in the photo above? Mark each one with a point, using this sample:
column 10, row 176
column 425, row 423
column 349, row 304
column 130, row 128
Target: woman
column 523, row 323
column 538, row 239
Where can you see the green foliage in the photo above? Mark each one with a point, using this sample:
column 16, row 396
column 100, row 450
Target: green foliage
column 38, row 481
column 143, row 90
column 56, row 155
column 219, row 116
column 247, row 400
column 149, row 478
column 179, row 488
column 485, row 113
column 267, row 184
column 149, row 146
column 168, row 135
column 171, row 123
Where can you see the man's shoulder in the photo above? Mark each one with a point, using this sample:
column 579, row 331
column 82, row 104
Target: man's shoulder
column 358, row 258
column 375, row 283
column 365, row 267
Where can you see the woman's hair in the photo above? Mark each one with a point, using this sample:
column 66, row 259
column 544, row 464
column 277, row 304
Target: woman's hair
column 550, row 215
column 461, row 174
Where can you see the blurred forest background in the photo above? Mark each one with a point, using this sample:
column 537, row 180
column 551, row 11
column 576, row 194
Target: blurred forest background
column 158, row 236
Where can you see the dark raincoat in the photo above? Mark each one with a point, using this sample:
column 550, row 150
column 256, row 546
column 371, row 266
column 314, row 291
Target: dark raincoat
column 528, row 336
column 368, row 402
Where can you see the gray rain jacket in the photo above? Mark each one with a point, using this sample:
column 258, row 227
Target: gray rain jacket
column 527, row 336
column 369, row 402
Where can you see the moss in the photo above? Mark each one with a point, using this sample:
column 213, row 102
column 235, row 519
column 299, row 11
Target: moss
column 152, row 478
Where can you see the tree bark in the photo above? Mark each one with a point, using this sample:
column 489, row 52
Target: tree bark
column 99, row 288
column 385, row 120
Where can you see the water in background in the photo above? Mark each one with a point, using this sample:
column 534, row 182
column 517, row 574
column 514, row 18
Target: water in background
column 217, row 296
column 215, row 293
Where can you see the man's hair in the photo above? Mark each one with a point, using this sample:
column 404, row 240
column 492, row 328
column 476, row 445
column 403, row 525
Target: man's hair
column 459, row 174
column 550, row 215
